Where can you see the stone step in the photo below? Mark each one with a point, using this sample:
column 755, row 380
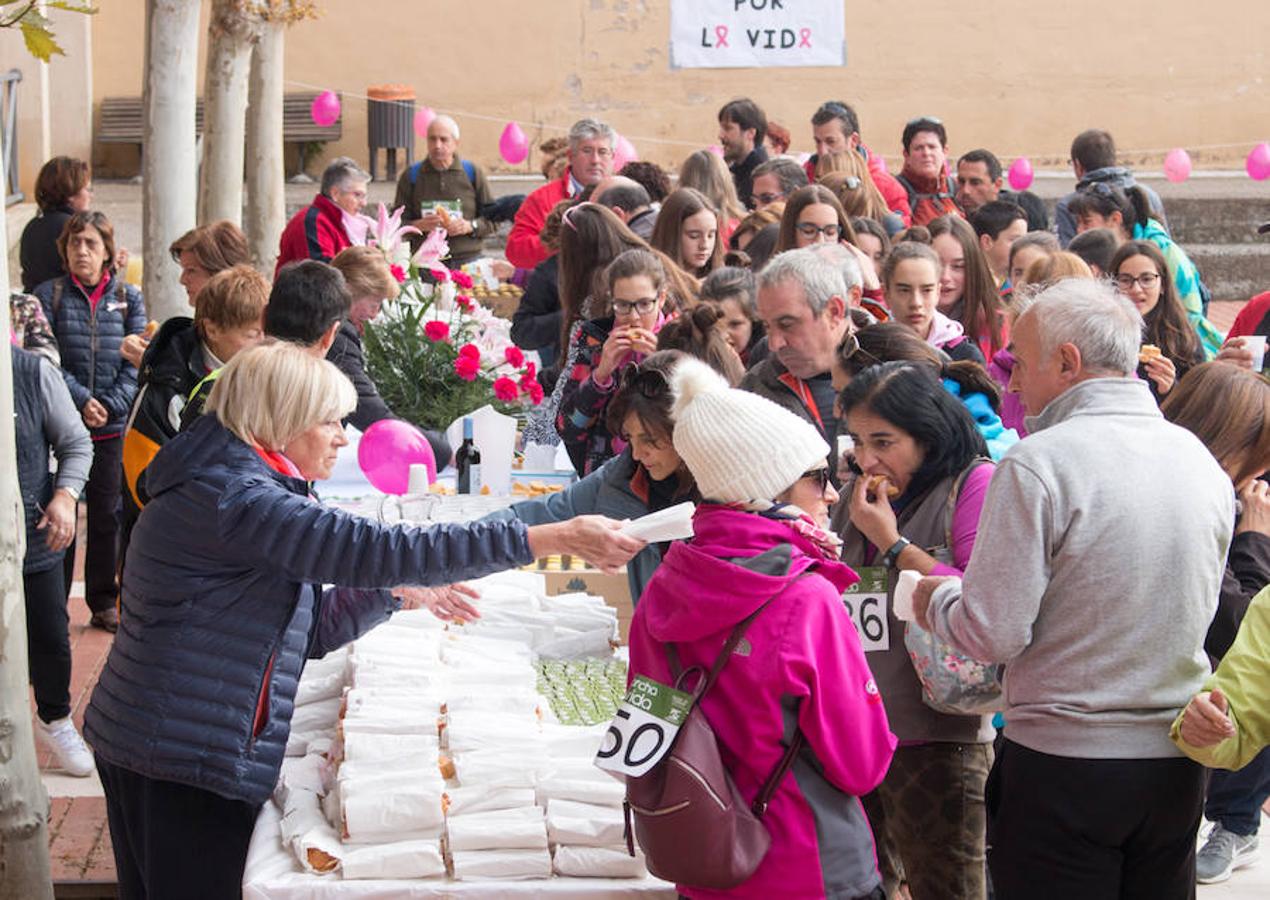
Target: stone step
column 1233, row 271
column 1218, row 220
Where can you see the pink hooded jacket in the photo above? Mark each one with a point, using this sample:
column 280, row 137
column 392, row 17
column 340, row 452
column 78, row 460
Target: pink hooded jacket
column 800, row 666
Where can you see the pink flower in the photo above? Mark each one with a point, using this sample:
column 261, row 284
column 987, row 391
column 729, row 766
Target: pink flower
column 514, row 356
column 470, row 351
column 467, row 367
column 534, row 390
column 505, row 389
column 461, row 279
column 398, row 273
column 531, row 370
column 436, row 331
column 440, row 274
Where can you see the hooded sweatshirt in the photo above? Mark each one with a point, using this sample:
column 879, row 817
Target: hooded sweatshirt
column 800, row 666
column 1095, row 575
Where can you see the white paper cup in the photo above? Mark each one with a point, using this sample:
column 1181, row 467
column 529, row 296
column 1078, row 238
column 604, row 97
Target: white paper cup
column 902, row 601
column 417, row 481
column 1256, row 343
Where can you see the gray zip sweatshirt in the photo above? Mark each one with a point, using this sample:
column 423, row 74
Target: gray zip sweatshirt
column 1095, row 574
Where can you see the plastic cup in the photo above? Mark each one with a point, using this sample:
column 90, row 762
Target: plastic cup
column 902, row 600
column 418, row 479
column 1256, row 343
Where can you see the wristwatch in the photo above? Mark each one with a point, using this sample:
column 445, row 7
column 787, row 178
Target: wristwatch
column 892, row 556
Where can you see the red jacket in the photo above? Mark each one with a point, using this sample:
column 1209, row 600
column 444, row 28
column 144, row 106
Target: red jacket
column 891, row 190
column 1251, row 316
column 315, row 232
column 524, row 247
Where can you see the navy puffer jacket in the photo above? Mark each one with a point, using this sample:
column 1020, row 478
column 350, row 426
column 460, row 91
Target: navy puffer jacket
column 221, row 578
column 89, row 341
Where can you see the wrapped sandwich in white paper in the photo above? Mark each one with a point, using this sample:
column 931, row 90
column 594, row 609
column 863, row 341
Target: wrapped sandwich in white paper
column 671, row 524
column 508, row 865
column 403, row 859
column 585, row 824
column 599, row 862
column 521, row 828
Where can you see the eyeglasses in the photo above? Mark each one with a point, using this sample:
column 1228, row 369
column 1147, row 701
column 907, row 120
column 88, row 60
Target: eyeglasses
column 820, row 476
column 648, row 383
column 850, row 349
column 811, row 229
column 643, row 306
column 1147, row 280
column 768, row 198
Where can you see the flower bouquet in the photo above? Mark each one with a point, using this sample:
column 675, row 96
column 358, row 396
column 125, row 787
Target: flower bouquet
column 434, row 353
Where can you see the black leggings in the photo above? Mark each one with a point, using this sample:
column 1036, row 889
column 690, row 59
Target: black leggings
column 48, row 642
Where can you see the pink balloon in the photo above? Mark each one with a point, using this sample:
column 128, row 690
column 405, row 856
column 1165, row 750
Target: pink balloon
column 388, row 449
column 1020, row 173
column 423, row 118
column 1258, row 164
column 513, row 144
column 1177, row 165
column 325, row 109
column 623, row 153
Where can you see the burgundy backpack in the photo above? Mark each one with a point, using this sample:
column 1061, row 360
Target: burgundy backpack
column 688, row 817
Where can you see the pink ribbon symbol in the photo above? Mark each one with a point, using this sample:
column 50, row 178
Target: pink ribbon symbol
column 720, row 36
column 805, row 35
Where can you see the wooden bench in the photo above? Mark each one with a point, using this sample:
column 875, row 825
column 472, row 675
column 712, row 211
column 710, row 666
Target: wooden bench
column 123, row 118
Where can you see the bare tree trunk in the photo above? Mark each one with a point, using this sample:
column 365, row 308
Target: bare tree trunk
column 266, row 199
column 225, row 112
column 168, row 168
column 24, row 842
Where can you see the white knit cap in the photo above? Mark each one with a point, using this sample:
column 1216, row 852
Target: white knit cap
column 739, row 447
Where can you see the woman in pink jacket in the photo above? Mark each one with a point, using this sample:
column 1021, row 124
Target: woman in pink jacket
column 800, row 666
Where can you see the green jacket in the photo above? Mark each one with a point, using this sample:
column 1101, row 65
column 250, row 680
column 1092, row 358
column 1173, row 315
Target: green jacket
column 1244, row 678
column 431, row 185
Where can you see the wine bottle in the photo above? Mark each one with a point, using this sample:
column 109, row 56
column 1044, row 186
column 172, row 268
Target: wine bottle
column 468, row 462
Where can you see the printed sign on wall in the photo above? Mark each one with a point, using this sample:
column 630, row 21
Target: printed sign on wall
column 729, row 34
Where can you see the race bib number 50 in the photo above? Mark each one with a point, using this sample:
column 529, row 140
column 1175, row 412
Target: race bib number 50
column 644, row 728
column 866, row 605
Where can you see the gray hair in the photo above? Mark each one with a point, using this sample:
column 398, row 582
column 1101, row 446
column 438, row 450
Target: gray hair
column 1103, row 324
column 819, row 278
column 341, row 171
column 788, row 172
column 589, row 130
column 844, row 259
column 448, row 123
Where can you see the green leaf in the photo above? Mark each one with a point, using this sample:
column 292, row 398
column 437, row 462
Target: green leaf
column 71, row 6
column 39, row 40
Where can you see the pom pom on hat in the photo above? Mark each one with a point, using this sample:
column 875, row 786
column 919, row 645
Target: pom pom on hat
column 739, row 447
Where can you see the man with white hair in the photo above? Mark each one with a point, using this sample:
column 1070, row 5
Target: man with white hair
column 445, row 191
column 1094, row 578
column 317, row 230
column 590, row 157
column 804, row 300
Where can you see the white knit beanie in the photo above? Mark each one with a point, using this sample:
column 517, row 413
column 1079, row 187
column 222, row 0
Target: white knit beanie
column 739, row 447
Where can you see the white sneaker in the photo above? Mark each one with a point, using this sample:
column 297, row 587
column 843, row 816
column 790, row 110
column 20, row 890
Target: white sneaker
column 69, row 749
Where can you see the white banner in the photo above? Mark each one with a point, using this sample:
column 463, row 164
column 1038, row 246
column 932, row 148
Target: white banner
column 717, row 34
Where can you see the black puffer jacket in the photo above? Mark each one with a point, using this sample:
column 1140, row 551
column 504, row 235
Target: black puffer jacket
column 222, row 605
column 88, row 340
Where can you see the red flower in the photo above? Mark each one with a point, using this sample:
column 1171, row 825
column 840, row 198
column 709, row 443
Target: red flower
column 462, row 279
column 441, row 275
column 470, row 351
column 531, row 370
column 505, row 389
column 436, row 331
column 534, row 390
column 465, row 302
column 398, row 273
column 467, row 367
column 514, row 356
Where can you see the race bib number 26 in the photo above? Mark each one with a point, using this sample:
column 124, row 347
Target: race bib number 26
column 866, row 605
column 644, row 728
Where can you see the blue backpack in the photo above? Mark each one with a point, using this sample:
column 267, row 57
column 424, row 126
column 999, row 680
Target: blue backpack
column 468, row 169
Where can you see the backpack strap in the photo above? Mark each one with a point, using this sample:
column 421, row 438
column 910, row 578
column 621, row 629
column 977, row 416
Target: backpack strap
column 469, row 169
column 413, row 172
column 766, row 792
column 56, row 300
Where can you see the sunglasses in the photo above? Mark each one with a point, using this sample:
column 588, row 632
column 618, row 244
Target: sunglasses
column 819, row 476
column 850, row 349
column 567, row 218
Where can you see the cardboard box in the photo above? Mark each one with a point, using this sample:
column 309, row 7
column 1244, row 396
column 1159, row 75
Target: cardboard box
column 615, row 589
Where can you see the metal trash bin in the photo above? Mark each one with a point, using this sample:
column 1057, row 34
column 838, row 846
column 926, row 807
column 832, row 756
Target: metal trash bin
column 390, row 124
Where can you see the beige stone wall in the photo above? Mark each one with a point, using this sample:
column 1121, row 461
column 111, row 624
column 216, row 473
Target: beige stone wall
column 1016, row 77
column 54, row 100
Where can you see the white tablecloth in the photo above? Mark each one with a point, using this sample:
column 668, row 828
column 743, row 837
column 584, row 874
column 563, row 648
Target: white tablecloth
column 274, row 874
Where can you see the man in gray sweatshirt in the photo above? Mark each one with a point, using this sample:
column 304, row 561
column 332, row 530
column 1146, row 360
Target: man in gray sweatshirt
column 1095, row 576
